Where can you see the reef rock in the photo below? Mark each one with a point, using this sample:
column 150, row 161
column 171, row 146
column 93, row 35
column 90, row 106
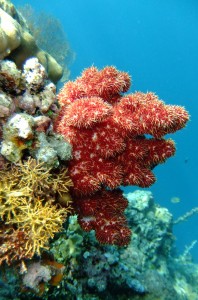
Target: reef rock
column 28, row 106
column 17, row 43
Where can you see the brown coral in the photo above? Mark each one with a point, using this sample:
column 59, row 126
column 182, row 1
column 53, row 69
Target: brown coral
column 12, row 244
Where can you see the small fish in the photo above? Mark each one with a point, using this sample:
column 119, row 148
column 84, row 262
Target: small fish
column 186, row 160
column 175, row 200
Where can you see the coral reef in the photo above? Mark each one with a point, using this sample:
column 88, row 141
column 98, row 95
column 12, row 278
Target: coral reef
column 148, row 268
column 41, row 273
column 62, row 162
column 108, row 131
column 30, row 212
column 18, row 44
column 34, row 188
column 36, row 273
column 41, row 25
column 28, row 106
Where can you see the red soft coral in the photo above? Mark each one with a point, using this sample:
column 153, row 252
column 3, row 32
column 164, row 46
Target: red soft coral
column 103, row 212
column 108, row 132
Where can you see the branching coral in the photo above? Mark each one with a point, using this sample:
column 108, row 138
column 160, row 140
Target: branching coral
column 29, row 208
column 40, row 220
column 187, row 215
column 12, row 244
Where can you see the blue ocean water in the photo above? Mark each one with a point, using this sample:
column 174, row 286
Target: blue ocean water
column 157, row 43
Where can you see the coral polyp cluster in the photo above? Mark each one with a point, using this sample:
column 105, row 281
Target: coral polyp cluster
column 30, row 211
column 117, row 139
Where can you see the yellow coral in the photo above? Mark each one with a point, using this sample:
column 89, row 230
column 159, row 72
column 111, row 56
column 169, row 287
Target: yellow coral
column 40, row 220
column 33, row 174
column 10, row 199
column 29, row 203
column 58, row 182
column 38, row 178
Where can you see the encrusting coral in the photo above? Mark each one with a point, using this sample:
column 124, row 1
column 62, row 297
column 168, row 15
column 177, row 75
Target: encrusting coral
column 28, row 106
column 18, row 44
column 109, row 132
column 30, row 210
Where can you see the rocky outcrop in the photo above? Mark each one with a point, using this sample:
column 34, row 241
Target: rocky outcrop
column 18, row 44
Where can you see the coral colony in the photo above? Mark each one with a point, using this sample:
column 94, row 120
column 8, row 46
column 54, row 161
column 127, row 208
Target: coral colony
column 34, row 187
column 105, row 145
column 108, row 131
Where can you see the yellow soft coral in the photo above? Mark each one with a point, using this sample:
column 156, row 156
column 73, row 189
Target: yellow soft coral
column 30, row 208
